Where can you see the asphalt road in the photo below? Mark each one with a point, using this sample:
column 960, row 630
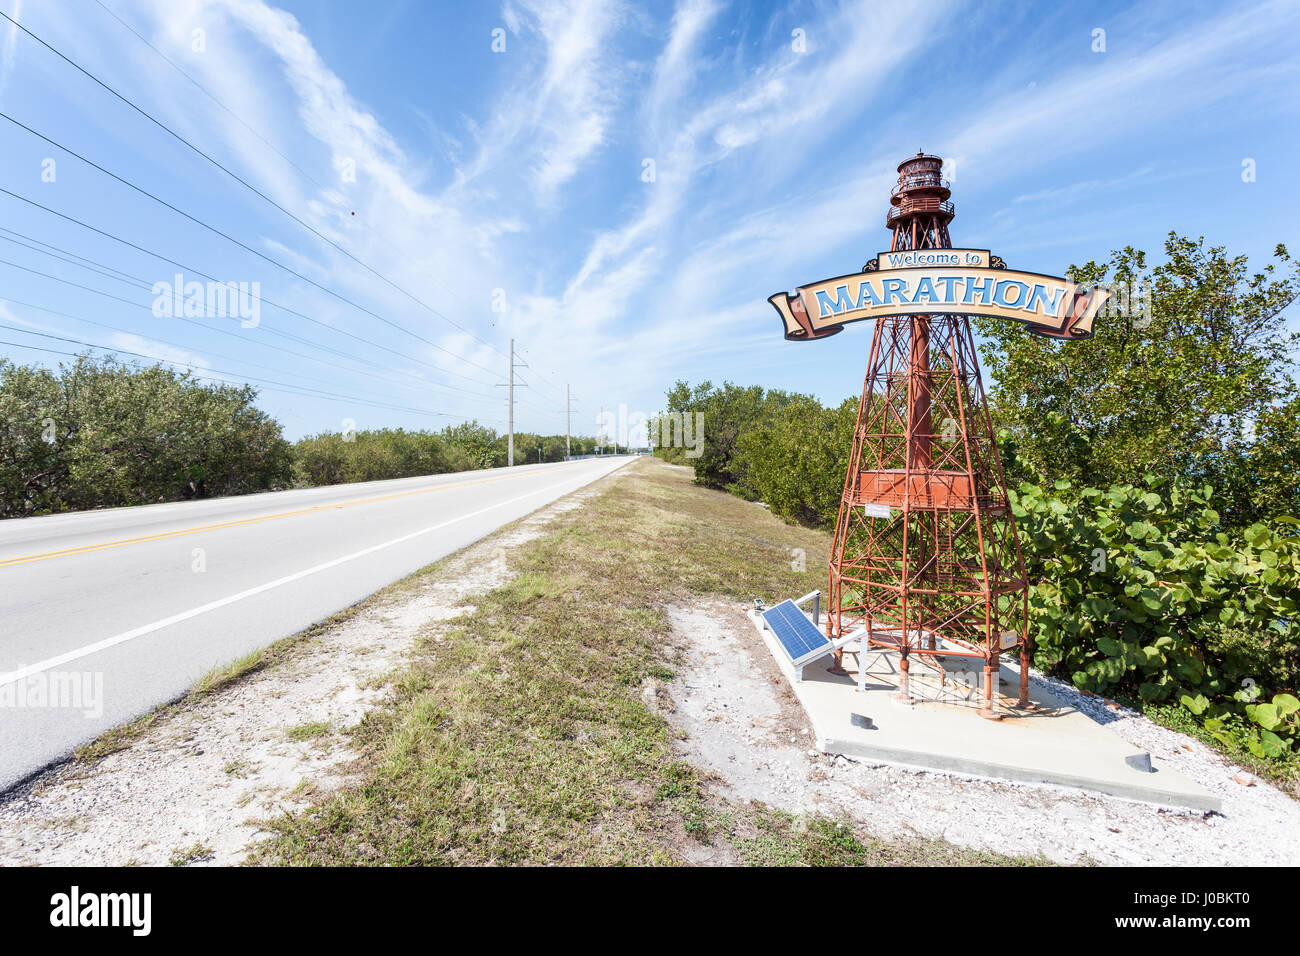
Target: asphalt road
column 106, row 614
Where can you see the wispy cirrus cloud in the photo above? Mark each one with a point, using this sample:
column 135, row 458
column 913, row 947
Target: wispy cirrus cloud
column 579, row 87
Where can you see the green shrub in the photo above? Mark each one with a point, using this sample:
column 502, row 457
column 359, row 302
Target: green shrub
column 1138, row 593
column 100, row 434
column 783, row 449
column 333, row 458
column 726, row 414
column 795, row 461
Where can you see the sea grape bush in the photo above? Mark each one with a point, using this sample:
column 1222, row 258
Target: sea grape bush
column 1136, row 591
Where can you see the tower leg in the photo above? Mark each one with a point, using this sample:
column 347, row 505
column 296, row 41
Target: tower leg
column 990, row 708
column 832, row 607
column 904, row 686
column 835, row 624
column 1026, row 657
column 1023, row 700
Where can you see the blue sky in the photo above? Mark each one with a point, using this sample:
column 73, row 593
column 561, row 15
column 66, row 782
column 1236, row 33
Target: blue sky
column 507, row 190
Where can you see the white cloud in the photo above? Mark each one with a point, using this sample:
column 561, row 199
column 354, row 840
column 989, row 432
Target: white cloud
column 1097, row 103
column 781, row 111
column 9, row 315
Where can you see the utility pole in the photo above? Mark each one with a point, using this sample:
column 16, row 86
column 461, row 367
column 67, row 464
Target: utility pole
column 600, row 431
column 567, row 452
column 510, row 447
column 509, row 385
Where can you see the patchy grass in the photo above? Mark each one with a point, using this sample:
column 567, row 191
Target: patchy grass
column 238, row 768
column 517, row 735
column 1283, row 772
column 308, row 731
column 190, row 854
column 775, row 838
column 121, row 737
column 218, row 679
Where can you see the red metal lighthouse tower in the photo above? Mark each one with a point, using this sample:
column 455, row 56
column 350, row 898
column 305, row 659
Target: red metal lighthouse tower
column 925, row 552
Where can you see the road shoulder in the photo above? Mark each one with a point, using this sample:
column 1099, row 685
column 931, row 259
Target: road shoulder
column 193, row 781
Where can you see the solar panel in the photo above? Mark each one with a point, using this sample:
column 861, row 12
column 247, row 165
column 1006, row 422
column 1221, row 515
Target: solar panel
column 798, row 635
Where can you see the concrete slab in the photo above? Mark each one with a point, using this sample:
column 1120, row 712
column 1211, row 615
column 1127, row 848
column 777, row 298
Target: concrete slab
column 939, row 728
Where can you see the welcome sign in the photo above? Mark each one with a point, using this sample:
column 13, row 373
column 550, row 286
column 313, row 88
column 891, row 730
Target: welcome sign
column 935, row 281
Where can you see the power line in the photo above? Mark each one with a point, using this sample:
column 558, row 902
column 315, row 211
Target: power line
column 204, row 90
column 138, row 282
column 152, row 338
column 543, row 377
column 271, row 146
column 200, row 273
column 540, row 411
column 126, row 278
column 109, row 295
column 277, row 386
column 69, row 257
column 246, row 184
column 242, row 245
column 302, row 389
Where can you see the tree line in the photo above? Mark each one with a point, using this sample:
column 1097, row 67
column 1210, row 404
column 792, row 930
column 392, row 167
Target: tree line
column 1168, row 444
column 97, row 433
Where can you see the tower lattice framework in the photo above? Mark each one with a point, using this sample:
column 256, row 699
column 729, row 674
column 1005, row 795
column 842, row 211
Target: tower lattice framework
column 925, row 552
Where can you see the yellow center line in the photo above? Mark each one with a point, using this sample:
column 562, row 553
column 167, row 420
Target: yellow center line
column 124, row 542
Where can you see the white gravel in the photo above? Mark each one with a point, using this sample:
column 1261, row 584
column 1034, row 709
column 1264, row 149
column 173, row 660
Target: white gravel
column 743, row 722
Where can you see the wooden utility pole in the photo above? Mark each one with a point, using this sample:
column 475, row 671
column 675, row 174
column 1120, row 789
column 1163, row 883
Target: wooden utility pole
column 567, row 452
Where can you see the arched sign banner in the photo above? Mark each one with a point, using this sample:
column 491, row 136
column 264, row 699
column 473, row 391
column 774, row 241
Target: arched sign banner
column 938, row 281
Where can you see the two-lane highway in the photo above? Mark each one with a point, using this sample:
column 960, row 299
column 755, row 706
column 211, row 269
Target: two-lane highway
column 117, row 611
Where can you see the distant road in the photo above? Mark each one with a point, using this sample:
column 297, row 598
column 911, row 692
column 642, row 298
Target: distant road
column 120, row 593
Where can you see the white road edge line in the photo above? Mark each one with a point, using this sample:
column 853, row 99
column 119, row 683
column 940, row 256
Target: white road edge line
column 68, row 657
